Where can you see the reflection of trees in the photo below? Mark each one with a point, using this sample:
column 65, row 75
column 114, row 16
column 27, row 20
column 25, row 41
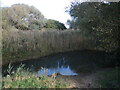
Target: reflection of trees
column 86, row 60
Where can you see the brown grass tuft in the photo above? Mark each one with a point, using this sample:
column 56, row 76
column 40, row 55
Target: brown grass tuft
column 20, row 44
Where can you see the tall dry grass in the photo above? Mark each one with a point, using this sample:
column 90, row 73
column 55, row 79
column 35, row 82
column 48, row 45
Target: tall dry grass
column 20, row 45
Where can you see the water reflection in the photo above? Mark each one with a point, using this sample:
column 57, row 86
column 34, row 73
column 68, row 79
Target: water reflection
column 62, row 70
column 59, row 66
column 70, row 63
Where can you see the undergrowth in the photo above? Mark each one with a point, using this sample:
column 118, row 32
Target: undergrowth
column 22, row 78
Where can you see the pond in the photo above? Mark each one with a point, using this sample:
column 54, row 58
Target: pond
column 68, row 63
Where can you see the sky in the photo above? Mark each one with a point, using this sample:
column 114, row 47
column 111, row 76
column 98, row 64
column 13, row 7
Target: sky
column 51, row 9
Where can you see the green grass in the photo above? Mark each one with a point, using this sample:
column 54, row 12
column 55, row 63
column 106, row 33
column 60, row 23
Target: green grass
column 31, row 82
column 25, row 79
column 109, row 79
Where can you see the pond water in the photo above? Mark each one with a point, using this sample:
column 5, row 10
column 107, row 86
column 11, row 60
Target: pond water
column 69, row 63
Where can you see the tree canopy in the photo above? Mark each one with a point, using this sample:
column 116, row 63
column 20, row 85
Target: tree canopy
column 98, row 19
column 24, row 17
column 55, row 24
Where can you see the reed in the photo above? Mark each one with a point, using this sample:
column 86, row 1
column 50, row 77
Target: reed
column 20, row 45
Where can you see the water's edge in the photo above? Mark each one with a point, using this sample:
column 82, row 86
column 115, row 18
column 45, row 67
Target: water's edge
column 38, row 55
column 67, row 63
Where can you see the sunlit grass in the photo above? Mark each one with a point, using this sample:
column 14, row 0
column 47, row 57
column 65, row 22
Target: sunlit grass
column 31, row 81
column 24, row 79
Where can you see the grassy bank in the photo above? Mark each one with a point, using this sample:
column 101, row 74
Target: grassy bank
column 20, row 45
column 22, row 78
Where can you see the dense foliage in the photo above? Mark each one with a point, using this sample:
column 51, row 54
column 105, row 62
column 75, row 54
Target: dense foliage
column 24, row 17
column 55, row 24
column 99, row 20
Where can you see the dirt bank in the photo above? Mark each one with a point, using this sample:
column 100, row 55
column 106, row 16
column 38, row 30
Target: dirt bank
column 87, row 80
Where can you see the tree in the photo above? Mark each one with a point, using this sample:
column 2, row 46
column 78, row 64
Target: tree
column 55, row 24
column 99, row 20
column 23, row 17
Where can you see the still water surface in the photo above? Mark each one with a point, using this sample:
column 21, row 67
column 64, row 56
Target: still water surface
column 69, row 63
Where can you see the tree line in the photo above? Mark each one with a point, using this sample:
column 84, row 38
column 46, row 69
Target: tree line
column 24, row 17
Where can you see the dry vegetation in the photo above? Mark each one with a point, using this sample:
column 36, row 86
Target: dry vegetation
column 19, row 45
